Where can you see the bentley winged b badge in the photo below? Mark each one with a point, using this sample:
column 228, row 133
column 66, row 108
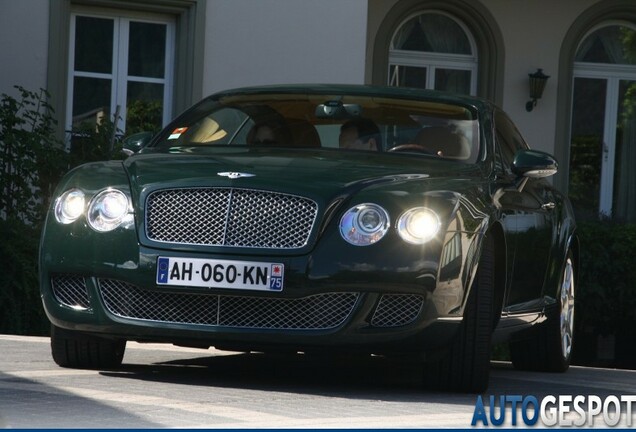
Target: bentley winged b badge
column 234, row 175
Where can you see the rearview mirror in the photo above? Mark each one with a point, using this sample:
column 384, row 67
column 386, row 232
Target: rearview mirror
column 534, row 164
column 335, row 109
column 135, row 142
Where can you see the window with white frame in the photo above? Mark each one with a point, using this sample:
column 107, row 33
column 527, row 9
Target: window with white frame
column 120, row 70
column 433, row 50
column 602, row 181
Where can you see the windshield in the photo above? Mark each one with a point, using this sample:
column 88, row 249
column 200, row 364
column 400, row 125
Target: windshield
column 338, row 122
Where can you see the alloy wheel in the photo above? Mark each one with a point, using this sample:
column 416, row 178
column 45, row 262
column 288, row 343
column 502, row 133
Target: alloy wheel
column 567, row 309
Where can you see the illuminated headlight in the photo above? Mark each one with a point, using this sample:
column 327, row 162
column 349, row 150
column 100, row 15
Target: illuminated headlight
column 364, row 224
column 69, row 206
column 418, row 225
column 108, row 210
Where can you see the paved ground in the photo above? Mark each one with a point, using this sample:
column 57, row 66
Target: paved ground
column 163, row 386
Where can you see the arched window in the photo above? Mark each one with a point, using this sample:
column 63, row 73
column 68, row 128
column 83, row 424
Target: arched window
column 602, row 180
column 433, row 50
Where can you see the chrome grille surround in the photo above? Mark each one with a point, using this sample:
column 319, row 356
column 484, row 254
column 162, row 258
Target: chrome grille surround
column 229, row 217
column 314, row 312
column 70, row 290
column 395, row 310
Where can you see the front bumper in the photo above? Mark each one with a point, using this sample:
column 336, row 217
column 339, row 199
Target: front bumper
column 361, row 312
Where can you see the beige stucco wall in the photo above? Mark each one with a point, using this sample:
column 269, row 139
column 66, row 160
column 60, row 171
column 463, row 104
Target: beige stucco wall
column 533, row 31
column 284, row 41
column 24, row 35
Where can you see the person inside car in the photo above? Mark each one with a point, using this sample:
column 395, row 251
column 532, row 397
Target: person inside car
column 268, row 133
column 360, row 134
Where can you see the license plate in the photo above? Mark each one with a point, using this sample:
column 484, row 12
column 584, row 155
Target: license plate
column 208, row 273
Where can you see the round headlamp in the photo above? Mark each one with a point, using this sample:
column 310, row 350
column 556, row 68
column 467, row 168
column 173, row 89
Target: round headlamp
column 108, row 210
column 418, row 225
column 364, row 224
column 69, row 206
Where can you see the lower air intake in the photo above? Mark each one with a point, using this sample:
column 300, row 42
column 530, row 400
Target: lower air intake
column 70, row 290
column 315, row 312
column 395, row 310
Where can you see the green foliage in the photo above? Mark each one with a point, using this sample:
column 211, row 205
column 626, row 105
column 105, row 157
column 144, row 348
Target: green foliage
column 606, row 295
column 143, row 116
column 95, row 142
column 585, row 179
column 32, row 161
column 628, row 38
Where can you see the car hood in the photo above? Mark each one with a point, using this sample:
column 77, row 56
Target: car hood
column 317, row 173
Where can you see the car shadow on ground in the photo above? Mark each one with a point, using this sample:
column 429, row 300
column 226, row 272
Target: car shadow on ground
column 365, row 377
column 349, row 376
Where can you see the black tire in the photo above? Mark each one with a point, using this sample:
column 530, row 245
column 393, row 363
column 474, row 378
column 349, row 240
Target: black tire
column 73, row 349
column 465, row 367
column 547, row 347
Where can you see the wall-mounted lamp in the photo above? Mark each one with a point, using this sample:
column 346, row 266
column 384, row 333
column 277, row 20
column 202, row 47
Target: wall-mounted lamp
column 537, row 84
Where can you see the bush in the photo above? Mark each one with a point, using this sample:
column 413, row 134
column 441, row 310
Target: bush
column 20, row 305
column 607, row 276
column 32, row 161
column 95, row 142
column 606, row 294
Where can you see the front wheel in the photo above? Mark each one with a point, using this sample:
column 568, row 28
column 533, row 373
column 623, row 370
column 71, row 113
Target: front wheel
column 548, row 347
column 73, row 349
column 466, row 365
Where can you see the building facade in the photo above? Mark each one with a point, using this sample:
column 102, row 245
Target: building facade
column 137, row 60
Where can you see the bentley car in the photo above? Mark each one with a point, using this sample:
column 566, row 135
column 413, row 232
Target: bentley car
column 319, row 219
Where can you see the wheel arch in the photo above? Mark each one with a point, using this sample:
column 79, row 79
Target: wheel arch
column 568, row 241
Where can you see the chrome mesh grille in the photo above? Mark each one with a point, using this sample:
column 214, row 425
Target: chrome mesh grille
column 315, row 312
column 70, row 290
column 320, row 311
column 229, row 217
column 128, row 301
column 396, row 310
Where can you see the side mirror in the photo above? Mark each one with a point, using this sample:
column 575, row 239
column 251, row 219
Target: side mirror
column 534, row 164
column 135, row 142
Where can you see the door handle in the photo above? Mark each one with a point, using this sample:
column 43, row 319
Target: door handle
column 548, row 206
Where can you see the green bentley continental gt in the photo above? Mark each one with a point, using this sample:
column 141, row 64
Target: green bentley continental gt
column 319, row 218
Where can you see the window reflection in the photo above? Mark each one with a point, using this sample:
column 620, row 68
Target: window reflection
column 94, row 44
column 432, row 32
column 147, row 50
column 432, row 50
